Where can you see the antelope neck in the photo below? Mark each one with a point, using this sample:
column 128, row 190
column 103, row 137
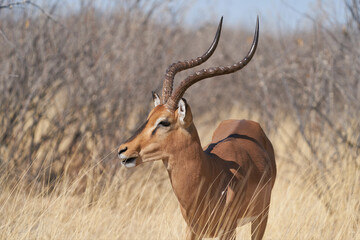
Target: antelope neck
column 189, row 168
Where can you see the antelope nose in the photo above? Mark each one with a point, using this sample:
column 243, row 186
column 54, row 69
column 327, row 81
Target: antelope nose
column 122, row 150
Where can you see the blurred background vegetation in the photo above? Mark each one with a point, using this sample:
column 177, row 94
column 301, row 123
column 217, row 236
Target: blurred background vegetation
column 75, row 84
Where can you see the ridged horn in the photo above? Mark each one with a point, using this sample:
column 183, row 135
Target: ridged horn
column 173, row 101
column 183, row 65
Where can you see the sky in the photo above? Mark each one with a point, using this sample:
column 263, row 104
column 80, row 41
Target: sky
column 274, row 14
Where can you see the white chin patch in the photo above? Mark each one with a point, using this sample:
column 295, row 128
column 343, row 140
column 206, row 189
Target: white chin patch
column 129, row 163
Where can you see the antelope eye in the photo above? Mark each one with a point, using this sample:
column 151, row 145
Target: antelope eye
column 164, row 123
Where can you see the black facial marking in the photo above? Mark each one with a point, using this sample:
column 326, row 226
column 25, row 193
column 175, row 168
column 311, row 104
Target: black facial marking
column 137, row 131
column 153, row 132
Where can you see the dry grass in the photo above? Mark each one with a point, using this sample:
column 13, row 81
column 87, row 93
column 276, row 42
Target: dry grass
column 140, row 204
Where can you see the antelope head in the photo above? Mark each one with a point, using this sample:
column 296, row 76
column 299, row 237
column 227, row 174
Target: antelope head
column 169, row 126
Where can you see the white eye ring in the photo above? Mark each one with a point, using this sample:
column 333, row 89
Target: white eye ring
column 159, row 123
column 164, row 123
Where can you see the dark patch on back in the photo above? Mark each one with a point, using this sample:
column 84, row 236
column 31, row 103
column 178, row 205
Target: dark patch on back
column 235, row 135
column 137, row 132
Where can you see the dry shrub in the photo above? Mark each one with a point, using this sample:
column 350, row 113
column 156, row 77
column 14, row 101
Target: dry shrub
column 73, row 92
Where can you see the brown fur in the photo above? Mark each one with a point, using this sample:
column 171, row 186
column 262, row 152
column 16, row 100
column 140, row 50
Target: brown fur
column 230, row 180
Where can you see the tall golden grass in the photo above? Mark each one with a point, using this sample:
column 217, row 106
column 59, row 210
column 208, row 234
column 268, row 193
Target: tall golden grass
column 140, row 204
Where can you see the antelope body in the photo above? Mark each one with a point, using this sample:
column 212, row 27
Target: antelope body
column 226, row 184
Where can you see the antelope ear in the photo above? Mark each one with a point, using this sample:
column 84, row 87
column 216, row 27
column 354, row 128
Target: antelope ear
column 184, row 113
column 156, row 98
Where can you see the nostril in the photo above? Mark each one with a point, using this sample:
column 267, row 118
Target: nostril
column 122, row 150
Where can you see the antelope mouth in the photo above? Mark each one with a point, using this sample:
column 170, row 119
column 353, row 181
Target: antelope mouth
column 129, row 162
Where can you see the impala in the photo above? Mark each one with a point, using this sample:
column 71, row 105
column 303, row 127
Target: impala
column 228, row 183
